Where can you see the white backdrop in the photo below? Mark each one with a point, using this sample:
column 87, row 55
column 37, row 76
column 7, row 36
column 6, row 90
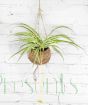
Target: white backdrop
column 74, row 69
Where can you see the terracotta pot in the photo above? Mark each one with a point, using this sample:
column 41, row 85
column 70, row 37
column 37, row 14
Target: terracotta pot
column 43, row 57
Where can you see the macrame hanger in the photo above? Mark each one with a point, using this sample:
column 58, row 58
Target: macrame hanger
column 40, row 16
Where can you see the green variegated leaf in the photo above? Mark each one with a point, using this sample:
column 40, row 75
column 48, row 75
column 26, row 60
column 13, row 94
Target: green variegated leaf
column 58, row 51
column 59, row 27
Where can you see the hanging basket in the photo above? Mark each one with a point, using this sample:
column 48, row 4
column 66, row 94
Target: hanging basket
column 42, row 58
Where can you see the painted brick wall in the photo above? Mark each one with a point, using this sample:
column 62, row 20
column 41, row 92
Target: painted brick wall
column 73, row 13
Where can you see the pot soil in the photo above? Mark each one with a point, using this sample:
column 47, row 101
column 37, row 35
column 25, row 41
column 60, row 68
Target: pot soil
column 42, row 58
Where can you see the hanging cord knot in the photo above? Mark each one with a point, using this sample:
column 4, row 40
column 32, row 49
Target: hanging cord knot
column 40, row 12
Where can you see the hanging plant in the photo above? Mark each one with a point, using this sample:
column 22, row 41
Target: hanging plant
column 38, row 48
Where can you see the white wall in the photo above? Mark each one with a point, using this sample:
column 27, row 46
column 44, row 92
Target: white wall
column 73, row 13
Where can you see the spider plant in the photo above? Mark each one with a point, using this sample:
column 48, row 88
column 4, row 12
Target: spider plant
column 33, row 41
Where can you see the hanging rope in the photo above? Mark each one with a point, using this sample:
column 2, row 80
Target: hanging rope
column 39, row 4
column 35, row 74
column 40, row 16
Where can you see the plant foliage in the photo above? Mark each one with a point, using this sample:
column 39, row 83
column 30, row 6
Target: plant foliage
column 32, row 40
